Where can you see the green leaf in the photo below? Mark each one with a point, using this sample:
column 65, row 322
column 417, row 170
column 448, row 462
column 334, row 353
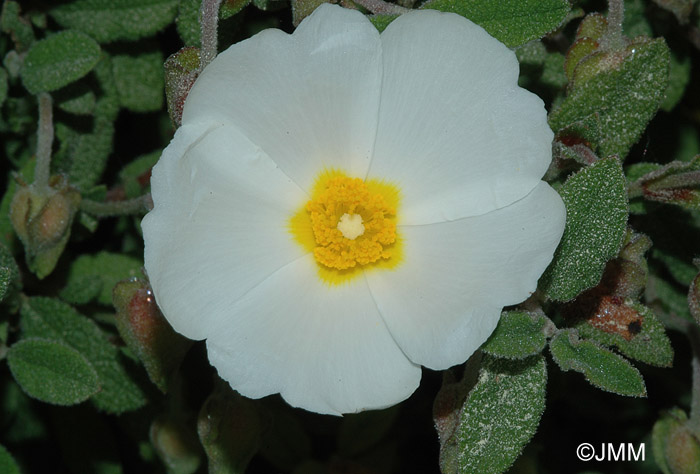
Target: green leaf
column 513, row 22
column 602, row 368
column 22, row 421
column 303, row 8
column 76, row 98
column 625, row 89
column 53, row 319
column 635, row 22
column 7, row 462
column 94, row 276
column 135, row 175
column 519, row 334
column 683, row 271
column 678, row 79
column 3, row 85
column 230, row 8
column 11, row 22
column 676, row 183
column 596, row 207
column 9, row 273
column 650, row 345
column 667, row 298
column 187, row 22
column 553, row 74
column 58, row 60
column 83, row 156
column 112, row 20
column 52, row 371
column 501, row 414
column 139, row 80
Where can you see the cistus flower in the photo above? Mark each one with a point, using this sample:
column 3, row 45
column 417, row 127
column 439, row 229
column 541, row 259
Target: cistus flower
column 340, row 207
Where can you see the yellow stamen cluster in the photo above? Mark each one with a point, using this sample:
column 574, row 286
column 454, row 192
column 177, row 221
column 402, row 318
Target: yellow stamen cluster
column 342, row 239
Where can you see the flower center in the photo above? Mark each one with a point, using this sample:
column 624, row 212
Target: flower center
column 351, row 224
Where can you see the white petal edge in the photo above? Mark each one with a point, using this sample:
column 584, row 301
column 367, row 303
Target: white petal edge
column 309, row 99
column 445, row 299
column 218, row 226
column 455, row 132
column 325, row 349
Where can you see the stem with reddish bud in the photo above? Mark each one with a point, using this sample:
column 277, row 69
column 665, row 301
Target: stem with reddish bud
column 616, row 14
column 42, row 170
column 209, row 23
column 694, row 420
column 381, row 7
column 137, row 205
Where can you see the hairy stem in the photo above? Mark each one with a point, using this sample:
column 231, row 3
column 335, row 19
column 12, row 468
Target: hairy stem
column 616, row 15
column 209, row 23
column 137, row 205
column 42, row 170
column 694, row 421
column 380, row 6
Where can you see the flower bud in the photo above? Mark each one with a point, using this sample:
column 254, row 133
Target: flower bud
column 229, row 428
column 694, row 298
column 42, row 221
column 181, row 70
column 676, row 447
column 146, row 331
column 176, row 444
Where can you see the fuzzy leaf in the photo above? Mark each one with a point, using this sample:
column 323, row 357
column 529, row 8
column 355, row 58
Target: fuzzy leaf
column 519, row 334
column 3, row 85
column 187, row 22
column 596, row 207
column 139, row 80
column 625, row 88
column 13, row 23
column 83, row 156
column 77, row 98
column 7, row 463
column 112, row 20
column 53, row 319
column 52, row 371
column 94, row 277
column 667, row 298
column 602, row 368
column 675, row 183
column 135, row 176
column 58, row 60
column 513, row 22
column 9, row 273
column 303, row 8
column 678, row 79
column 650, row 344
column 232, row 7
column 501, row 414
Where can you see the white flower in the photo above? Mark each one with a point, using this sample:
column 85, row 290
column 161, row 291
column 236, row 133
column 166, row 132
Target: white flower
column 330, row 290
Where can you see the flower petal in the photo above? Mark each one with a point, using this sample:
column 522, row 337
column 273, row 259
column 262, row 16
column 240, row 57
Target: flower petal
column 445, row 299
column 325, row 349
column 455, row 131
column 309, row 100
column 218, row 226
